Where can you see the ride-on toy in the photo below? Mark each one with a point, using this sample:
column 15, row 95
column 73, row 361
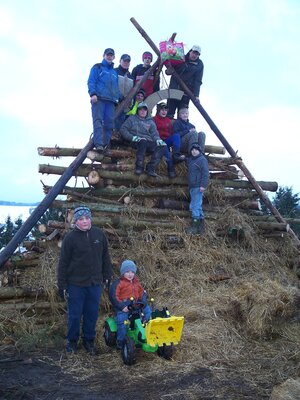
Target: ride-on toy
column 160, row 334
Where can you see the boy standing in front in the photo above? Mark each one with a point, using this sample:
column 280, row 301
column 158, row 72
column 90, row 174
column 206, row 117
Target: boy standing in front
column 121, row 291
column 198, row 178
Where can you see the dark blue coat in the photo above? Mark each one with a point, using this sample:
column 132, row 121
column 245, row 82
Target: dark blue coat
column 198, row 171
column 182, row 127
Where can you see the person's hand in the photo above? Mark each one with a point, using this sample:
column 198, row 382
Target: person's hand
column 94, row 99
column 160, row 142
column 202, row 189
column 136, row 139
column 125, row 309
column 63, row 294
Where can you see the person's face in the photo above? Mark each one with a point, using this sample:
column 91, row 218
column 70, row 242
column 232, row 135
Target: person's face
column 147, row 61
column 195, row 152
column 194, row 55
column 142, row 112
column 129, row 275
column 125, row 64
column 184, row 115
column 163, row 112
column 109, row 58
column 84, row 223
column 139, row 97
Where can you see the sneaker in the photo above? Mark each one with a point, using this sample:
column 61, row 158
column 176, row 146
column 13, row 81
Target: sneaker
column 100, row 148
column 71, row 347
column 90, row 347
column 152, row 173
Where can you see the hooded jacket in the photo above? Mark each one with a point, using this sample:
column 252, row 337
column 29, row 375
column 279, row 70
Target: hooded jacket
column 198, row 171
column 164, row 126
column 84, row 259
column 137, row 126
column 103, row 82
column 182, row 127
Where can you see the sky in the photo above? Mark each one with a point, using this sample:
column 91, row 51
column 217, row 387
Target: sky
column 251, row 85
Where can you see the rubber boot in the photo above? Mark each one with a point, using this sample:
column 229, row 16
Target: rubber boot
column 155, row 159
column 139, row 164
column 194, row 228
column 90, row 347
column 171, row 169
column 201, row 227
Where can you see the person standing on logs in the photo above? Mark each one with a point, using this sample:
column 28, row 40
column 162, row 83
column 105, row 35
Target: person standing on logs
column 104, row 92
column 139, row 71
column 191, row 73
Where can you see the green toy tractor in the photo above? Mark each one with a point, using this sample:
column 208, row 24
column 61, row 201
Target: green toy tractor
column 160, row 334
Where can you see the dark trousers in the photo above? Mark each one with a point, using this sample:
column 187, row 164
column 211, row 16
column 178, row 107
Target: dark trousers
column 83, row 303
column 142, row 148
column 177, row 104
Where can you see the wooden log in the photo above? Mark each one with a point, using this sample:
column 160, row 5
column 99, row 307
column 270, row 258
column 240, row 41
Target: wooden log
column 14, row 292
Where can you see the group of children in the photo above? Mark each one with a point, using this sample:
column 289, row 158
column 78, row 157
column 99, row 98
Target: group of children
column 160, row 136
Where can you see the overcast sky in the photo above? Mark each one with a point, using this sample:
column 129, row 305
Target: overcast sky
column 251, row 85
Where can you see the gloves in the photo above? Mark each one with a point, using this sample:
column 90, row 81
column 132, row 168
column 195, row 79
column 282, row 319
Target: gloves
column 136, row 138
column 160, row 142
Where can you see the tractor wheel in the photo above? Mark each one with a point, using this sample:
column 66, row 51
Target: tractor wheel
column 165, row 351
column 109, row 336
column 128, row 351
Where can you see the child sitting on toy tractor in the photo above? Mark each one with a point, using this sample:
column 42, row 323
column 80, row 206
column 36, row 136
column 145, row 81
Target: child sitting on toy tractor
column 121, row 293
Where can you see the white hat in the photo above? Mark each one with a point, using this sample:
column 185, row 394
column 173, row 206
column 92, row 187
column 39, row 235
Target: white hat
column 196, row 48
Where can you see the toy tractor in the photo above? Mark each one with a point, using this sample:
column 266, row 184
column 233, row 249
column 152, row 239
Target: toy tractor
column 160, row 334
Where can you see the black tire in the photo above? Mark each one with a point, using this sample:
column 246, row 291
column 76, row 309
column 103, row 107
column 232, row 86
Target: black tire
column 128, row 351
column 109, row 336
column 166, row 351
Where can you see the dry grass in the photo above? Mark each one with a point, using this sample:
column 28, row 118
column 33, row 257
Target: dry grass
column 245, row 325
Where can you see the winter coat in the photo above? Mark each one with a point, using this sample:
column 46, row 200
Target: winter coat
column 84, row 259
column 182, row 127
column 198, row 171
column 121, row 290
column 191, row 72
column 103, row 82
column 164, row 126
column 138, row 72
column 136, row 126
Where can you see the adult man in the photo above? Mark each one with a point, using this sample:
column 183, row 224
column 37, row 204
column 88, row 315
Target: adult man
column 84, row 265
column 140, row 130
column 191, row 72
column 104, row 92
column 151, row 84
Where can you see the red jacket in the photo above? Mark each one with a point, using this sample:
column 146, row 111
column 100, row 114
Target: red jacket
column 164, row 126
column 126, row 289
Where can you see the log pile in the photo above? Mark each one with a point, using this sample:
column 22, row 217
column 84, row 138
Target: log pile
column 121, row 201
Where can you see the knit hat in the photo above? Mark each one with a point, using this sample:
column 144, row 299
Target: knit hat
column 127, row 265
column 82, row 211
column 147, row 54
column 196, row 146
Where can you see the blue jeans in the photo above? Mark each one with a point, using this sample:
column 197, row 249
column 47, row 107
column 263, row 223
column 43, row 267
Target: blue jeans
column 196, row 203
column 122, row 316
column 172, row 141
column 83, row 303
column 103, row 112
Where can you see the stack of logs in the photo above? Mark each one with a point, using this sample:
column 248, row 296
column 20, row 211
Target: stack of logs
column 122, row 201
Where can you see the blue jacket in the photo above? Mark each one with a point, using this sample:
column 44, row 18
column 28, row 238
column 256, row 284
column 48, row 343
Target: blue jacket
column 103, row 82
column 198, row 171
column 182, row 127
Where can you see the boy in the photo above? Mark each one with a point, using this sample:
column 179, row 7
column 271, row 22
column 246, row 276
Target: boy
column 121, row 290
column 165, row 130
column 151, row 85
column 187, row 132
column 198, row 178
column 84, row 266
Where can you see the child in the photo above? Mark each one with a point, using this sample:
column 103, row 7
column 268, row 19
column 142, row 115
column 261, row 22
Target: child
column 198, row 178
column 151, row 84
column 187, row 132
column 165, row 130
column 121, row 290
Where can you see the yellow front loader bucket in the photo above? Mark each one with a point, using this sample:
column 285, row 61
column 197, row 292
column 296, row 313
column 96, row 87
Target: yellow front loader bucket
column 160, row 331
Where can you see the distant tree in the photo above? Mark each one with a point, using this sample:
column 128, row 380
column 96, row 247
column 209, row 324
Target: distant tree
column 286, row 202
column 9, row 229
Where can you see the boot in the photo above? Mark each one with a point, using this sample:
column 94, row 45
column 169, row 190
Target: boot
column 171, row 169
column 154, row 161
column 201, row 227
column 138, row 170
column 194, row 228
column 71, row 347
column 90, row 347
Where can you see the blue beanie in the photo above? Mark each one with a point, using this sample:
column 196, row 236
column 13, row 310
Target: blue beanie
column 127, row 265
column 82, row 211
